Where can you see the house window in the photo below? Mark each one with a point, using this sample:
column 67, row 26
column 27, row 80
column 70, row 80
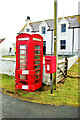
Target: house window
column 63, row 44
column 43, row 30
column 63, row 27
column 27, row 30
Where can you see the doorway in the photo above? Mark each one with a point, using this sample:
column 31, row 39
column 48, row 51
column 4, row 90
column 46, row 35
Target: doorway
column 44, row 47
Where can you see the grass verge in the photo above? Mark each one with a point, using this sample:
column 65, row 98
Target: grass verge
column 11, row 56
column 66, row 94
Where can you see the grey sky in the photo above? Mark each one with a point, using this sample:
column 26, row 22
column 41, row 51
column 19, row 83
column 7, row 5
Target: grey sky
column 14, row 12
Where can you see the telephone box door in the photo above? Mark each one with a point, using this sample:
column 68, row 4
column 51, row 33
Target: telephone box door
column 22, row 64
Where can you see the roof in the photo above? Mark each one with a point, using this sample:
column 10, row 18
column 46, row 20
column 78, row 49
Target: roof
column 1, row 40
column 74, row 21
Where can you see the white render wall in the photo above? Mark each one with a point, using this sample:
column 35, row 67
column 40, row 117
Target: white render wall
column 7, row 66
column 79, row 38
column 5, row 46
column 47, row 38
column 0, row 54
column 0, row 51
column 76, row 39
column 48, row 42
column 68, row 36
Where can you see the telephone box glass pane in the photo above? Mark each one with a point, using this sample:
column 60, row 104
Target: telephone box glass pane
column 37, row 76
column 22, row 57
column 22, row 77
column 38, row 71
column 22, row 67
column 22, row 62
column 22, row 52
column 37, row 47
column 37, row 62
column 37, row 57
column 22, row 46
column 37, row 67
column 37, row 52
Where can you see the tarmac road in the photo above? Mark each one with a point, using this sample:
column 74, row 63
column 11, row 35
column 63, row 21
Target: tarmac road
column 15, row 108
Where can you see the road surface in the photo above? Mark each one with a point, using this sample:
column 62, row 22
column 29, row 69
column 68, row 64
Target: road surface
column 15, row 108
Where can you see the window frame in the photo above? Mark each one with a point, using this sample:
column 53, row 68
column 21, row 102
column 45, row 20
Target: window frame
column 43, row 31
column 62, row 45
column 63, row 29
column 27, row 30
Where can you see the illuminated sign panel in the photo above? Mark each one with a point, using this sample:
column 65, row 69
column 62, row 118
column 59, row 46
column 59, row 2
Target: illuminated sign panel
column 36, row 39
column 20, row 39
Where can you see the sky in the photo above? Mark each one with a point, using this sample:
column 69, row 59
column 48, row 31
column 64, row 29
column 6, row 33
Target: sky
column 13, row 13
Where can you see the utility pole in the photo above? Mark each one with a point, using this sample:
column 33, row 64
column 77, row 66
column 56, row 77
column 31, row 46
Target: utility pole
column 55, row 43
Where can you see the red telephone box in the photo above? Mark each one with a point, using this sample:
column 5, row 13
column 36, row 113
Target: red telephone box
column 29, row 62
column 50, row 64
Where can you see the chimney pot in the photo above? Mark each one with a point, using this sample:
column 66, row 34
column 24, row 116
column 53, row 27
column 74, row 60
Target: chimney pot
column 28, row 18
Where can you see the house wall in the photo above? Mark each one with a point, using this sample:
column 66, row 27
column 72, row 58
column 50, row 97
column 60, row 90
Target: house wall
column 5, row 46
column 79, row 42
column 7, row 66
column 65, row 36
column 0, row 54
column 69, row 37
column 48, row 42
column 76, row 39
column 47, row 38
column 0, row 51
column 28, row 26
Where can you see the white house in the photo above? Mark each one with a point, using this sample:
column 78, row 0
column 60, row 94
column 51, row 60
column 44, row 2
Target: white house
column 6, row 48
column 67, row 34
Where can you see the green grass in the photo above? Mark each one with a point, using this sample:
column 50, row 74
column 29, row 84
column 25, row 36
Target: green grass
column 66, row 94
column 9, row 56
column 8, row 82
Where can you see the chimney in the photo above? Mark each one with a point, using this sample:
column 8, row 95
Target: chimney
column 28, row 20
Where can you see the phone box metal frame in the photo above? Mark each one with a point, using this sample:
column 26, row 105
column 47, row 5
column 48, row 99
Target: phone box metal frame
column 29, row 62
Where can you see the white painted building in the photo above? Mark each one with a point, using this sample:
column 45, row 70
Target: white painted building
column 6, row 48
column 67, row 34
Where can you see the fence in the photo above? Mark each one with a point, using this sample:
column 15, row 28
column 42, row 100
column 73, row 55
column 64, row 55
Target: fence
column 68, row 53
column 62, row 70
